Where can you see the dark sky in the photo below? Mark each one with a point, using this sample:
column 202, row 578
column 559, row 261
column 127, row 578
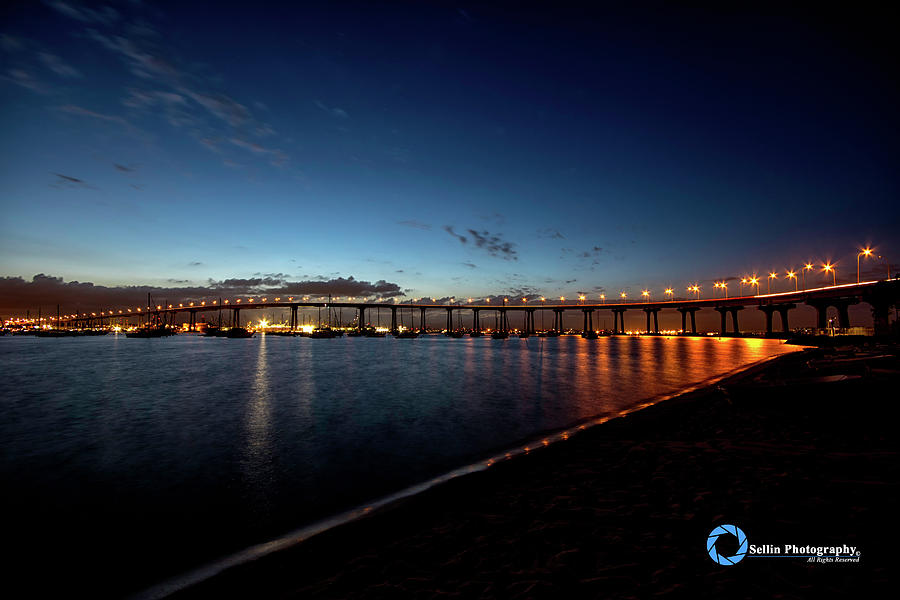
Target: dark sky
column 442, row 148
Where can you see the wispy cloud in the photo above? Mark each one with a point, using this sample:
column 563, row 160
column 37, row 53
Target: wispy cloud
column 334, row 111
column 178, row 91
column 415, row 224
column 550, row 233
column 86, row 112
column 102, row 16
column 462, row 239
column 56, row 64
column 69, row 181
column 25, row 79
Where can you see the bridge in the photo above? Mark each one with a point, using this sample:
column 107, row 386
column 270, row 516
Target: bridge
column 880, row 295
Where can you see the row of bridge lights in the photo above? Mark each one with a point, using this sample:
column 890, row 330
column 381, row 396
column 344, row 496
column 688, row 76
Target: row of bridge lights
column 751, row 280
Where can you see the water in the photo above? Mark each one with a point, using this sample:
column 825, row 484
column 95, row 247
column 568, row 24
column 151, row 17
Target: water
column 127, row 461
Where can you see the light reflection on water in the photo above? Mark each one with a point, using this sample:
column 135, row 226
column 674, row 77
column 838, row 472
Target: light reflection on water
column 210, row 444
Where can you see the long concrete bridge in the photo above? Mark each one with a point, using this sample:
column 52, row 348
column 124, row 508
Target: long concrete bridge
column 880, row 295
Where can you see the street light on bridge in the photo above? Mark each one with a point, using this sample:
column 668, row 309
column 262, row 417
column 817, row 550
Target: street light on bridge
column 754, row 281
column 791, row 275
column 694, row 288
column 670, row 292
column 829, row 268
column 807, row 267
column 646, row 294
column 867, row 252
column 603, row 298
column 581, row 298
column 769, row 279
column 624, row 296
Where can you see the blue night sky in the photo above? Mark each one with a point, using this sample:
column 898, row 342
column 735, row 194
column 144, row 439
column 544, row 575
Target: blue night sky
column 448, row 148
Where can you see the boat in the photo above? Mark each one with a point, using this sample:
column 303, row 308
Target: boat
column 372, row 332
column 500, row 335
column 150, row 332
column 590, row 335
column 238, row 332
column 456, row 333
column 475, row 334
column 321, row 333
column 406, row 333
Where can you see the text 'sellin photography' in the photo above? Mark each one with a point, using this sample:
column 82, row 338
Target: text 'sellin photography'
column 427, row 299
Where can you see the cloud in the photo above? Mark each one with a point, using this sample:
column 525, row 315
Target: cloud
column 69, row 181
column 18, row 295
column 26, row 80
column 84, row 112
column 10, row 43
column 188, row 97
column 103, row 16
column 195, row 263
column 462, row 239
column 123, row 168
column 333, row 111
column 494, row 244
column 55, row 64
column 278, row 157
column 415, row 224
column 470, row 265
column 550, row 233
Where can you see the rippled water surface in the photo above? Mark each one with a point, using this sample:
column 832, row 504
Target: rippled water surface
column 125, row 461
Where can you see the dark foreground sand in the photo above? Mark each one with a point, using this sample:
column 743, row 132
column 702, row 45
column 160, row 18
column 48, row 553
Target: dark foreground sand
column 623, row 510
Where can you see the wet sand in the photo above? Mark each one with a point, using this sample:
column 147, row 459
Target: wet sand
column 623, row 510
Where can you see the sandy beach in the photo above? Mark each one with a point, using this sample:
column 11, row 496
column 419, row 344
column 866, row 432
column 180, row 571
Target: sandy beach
column 792, row 452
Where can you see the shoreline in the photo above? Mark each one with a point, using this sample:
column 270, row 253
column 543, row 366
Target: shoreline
column 267, row 576
column 539, row 441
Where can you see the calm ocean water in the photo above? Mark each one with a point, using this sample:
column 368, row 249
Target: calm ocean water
column 127, row 461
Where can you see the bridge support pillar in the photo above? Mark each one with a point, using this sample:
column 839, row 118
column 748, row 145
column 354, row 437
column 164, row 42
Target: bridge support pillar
column 558, row 320
column 842, row 307
column 723, row 312
column 841, row 304
column 529, row 321
column 684, row 312
column 618, row 320
column 768, row 309
column 449, row 320
column 235, row 317
column 422, row 319
column 294, row 317
column 361, row 322
column 734, row 318
column 476, row 320
column 655, row 313
column 588, row 320
column 783, row 312
column 393, row 319
column 882, row 297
